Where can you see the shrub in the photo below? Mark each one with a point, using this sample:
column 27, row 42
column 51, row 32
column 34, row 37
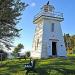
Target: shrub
column 28, row 54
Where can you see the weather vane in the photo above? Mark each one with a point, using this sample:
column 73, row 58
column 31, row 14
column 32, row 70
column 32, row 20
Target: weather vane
column 48, row 3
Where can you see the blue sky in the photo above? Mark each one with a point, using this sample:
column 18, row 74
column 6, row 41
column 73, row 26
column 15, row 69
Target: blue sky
column 26, row 23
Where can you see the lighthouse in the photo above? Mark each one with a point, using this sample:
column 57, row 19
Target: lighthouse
column 48, row 38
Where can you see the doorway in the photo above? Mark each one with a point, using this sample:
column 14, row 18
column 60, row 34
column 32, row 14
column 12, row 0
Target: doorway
column 54, row 51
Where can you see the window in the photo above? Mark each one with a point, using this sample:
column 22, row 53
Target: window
column 37, row 42
column 52, row 27
column 46, row 8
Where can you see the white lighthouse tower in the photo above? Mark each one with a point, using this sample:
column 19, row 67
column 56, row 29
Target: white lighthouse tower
column 48, row 38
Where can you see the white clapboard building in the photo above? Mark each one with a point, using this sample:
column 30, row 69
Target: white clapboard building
column 48, row 38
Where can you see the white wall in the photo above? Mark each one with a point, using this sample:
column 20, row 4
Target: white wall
column 57, row 35
column 47, row 37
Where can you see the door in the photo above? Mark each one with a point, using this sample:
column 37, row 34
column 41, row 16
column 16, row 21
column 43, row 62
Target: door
column 54, row 51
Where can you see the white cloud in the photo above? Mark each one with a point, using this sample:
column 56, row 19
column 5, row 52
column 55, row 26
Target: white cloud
column 33, row 4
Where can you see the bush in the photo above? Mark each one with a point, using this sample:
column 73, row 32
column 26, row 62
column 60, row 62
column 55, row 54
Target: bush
column 28, row 54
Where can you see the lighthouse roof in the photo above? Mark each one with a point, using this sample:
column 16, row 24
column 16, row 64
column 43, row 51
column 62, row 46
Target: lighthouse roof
column 48, row 11
column 48, row 7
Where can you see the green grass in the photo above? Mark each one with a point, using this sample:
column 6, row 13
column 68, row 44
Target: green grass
column 51, row 66
column 70, row 54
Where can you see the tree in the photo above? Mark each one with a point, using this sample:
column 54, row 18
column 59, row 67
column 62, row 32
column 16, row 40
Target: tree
column 69, row 42
column 10, row 12
column 18, row 48
column 28, row 54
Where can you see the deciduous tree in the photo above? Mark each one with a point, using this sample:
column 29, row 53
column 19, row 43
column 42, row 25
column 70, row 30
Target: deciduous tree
column 18, row 48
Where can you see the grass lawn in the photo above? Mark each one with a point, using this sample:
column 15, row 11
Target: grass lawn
column 51, row 66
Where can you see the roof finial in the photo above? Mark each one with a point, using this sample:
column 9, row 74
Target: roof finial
column 48, row 3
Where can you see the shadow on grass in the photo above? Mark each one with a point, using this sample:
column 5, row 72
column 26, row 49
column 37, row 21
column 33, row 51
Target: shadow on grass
column 54, row 70
column 54, row 67
column 62, row 67
column 10, row 69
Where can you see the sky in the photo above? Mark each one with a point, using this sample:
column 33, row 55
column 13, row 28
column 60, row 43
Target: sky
column 26, row 23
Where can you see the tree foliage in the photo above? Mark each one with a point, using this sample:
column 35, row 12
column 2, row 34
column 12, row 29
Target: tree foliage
column 18, row 48
column 69, row 41
column 10, row 12
column 28, row 54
